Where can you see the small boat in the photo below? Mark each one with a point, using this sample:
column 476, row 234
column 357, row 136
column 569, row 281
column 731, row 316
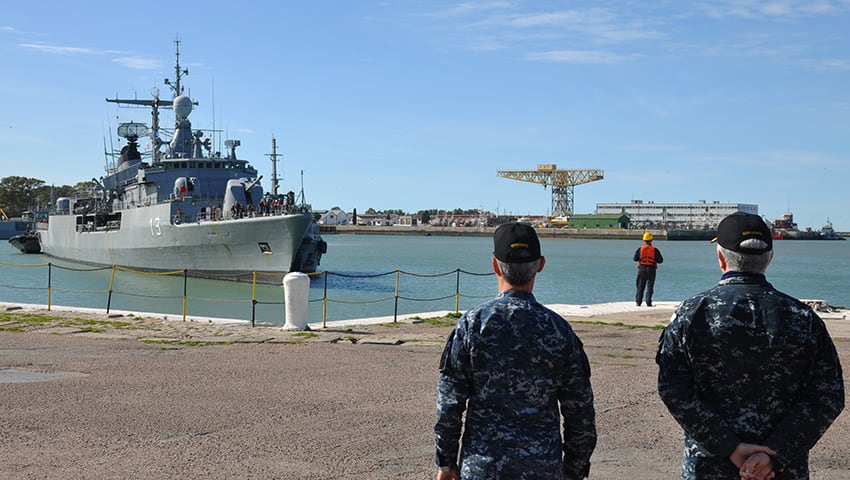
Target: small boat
column 828, row 233
column 26, row 242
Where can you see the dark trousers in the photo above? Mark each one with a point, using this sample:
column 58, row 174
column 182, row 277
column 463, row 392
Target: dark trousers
column 645, row 281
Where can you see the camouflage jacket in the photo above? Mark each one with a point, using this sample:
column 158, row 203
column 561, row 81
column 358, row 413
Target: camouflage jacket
column 743, row 362
column 509, row 364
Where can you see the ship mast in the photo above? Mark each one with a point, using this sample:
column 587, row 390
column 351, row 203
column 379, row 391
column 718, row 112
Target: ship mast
column 156, row 103
column 274, row 155
column 176, row 88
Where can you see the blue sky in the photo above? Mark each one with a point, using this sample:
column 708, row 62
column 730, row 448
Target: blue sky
column 416, row 104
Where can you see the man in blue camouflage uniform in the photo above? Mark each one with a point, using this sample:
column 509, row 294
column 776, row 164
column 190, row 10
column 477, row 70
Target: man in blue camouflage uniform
column 509, row 364
column 751, row 374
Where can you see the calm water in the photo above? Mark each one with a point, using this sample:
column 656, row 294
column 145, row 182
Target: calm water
column 363, row 279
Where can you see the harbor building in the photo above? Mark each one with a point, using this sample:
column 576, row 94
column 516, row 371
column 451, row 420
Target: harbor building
column 701, row 215
column 618, row 220
column 334, row 216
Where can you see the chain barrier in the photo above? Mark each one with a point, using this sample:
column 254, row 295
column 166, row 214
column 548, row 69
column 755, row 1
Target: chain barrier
column 256, row 279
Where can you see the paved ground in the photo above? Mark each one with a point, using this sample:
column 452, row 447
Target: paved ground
column 132, row 397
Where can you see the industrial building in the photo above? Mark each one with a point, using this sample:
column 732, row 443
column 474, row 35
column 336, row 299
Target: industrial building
column 701, row 215
column 600, row 221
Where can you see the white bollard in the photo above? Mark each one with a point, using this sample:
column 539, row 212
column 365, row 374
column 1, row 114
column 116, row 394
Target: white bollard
column 296, row 296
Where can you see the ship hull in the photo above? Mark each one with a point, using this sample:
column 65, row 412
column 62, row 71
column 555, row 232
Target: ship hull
column 147, row 240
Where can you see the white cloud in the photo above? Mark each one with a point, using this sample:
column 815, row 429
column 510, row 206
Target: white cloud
column 774, row 9
column 469, row 7
column 595, row 24
column 58, row 49
column 577, row 56
column 136, row 62
column 139, row 62
column 842, row 64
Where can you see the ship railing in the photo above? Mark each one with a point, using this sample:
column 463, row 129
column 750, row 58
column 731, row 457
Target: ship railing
column 89, row 227
column 218, row 215
column 259, row 292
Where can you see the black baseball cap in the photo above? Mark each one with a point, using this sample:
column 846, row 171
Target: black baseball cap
column 516, row 243
column 741, row 226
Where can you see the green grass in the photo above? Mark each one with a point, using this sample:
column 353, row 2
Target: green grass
column 440, row 322
column 625, row 357
column 618, row 324
column 23, row 320
column 305, row 334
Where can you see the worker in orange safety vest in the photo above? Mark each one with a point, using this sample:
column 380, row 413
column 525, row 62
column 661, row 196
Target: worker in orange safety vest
column 647, row 257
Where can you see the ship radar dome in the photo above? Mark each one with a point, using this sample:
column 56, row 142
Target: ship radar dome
column 182, row 106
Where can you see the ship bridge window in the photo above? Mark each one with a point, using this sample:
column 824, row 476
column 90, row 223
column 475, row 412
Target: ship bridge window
column 193, row 165
column 182, row 164
column 217, row 165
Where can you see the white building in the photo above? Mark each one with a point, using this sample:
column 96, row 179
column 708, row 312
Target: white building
column 334, row 216
column 378, row 220
column 700, row 215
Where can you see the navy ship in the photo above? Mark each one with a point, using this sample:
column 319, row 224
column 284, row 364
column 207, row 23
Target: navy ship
column 182, row 206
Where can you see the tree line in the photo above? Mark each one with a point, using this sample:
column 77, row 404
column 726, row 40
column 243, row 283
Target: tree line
column 21, row 194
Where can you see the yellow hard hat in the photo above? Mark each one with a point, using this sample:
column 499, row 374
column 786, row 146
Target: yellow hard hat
column 647, row 237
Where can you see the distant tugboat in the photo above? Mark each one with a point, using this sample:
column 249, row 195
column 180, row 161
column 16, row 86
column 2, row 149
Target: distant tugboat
column 182, row 206
column 828, row 233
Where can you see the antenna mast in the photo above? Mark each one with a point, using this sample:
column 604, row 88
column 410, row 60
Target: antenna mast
column 274, row 155
column 178, row 74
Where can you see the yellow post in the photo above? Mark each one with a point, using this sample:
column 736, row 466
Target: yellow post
column 395, row 312
column 457, row 292
column 325, row 304
column 111, row 283
column 49, row 280
column 112, row 279
column 185, row 276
